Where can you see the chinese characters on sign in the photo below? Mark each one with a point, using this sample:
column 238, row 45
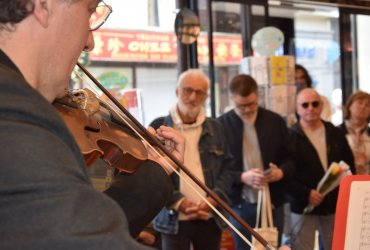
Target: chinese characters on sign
column 160, row 47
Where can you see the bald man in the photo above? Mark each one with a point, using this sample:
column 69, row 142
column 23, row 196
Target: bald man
column 317, row 144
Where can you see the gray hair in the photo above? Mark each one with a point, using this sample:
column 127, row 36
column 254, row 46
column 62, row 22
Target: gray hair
column 193, row 72
column 15, row 11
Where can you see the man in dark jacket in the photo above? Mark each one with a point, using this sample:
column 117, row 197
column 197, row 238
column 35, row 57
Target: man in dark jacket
column 258, row 139
column 317, row 144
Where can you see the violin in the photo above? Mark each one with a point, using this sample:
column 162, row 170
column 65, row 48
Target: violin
column 90, row 120
column 123, row 149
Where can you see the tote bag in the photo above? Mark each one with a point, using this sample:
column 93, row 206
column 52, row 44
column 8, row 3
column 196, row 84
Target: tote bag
column 266, row 229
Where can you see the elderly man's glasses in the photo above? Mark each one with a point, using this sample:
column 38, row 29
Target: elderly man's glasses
column 188, row 91
column 100, row 15
column 314, row 104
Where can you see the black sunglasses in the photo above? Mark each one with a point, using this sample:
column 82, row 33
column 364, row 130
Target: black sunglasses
column 314, row 104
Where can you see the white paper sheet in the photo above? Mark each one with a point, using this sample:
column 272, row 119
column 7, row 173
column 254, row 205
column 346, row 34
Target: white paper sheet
column 358, row 218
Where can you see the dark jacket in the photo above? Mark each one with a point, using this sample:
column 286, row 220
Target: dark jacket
column 217, row 165
column 309, row 169
column 46, row 197
column 273, row 139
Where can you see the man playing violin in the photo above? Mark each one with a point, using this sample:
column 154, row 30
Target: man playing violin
column 46, row 197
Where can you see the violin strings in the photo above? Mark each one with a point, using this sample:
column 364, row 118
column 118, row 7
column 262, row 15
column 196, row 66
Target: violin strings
column 124, row 118
column 167, row 163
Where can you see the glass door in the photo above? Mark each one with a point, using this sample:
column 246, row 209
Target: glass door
column 355, row 51
column 363, row 51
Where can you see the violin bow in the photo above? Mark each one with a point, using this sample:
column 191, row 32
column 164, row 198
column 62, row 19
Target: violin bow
column 211, row 193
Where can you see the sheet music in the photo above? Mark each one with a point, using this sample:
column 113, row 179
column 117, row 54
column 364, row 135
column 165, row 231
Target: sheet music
column 358, row 219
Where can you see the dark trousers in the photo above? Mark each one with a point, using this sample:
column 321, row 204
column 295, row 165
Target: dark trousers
column 202, row 235
column 248, row 212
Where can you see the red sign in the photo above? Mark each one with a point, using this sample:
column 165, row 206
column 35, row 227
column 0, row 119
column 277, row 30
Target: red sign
column 136, row 46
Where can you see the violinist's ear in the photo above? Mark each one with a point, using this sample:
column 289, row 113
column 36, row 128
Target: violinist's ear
column 41, row 12
column 177, row 92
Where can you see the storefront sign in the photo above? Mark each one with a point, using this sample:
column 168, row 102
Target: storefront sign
column 160, row 47
column 113, row 80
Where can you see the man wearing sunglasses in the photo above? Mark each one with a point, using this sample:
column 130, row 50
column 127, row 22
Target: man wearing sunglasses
column 317, row 144
column 46, row 197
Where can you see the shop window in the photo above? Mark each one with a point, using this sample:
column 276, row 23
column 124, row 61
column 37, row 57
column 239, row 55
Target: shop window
column 137, row 48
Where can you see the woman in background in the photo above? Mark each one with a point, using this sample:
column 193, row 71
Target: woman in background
column 304, row 80
column 356, row 115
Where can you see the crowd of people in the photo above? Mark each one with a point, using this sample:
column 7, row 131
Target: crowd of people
column 46, row 196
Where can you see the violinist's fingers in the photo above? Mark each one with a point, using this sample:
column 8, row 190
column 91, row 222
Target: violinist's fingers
column 151, row 130
column 173, row 139
column 155, row 134
column 170, row 145
column 171, row 134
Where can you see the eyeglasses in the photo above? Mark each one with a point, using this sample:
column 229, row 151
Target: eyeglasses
column 188, row 91
column 100, row 15
column 314, row 104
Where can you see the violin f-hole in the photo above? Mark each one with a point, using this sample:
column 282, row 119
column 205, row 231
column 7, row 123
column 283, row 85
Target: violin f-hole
column 91, row 129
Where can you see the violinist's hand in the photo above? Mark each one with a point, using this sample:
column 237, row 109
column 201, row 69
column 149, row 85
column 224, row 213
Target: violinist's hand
column 173, row 141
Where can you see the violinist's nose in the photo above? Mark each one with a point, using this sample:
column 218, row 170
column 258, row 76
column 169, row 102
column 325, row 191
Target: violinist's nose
column 90, row 42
